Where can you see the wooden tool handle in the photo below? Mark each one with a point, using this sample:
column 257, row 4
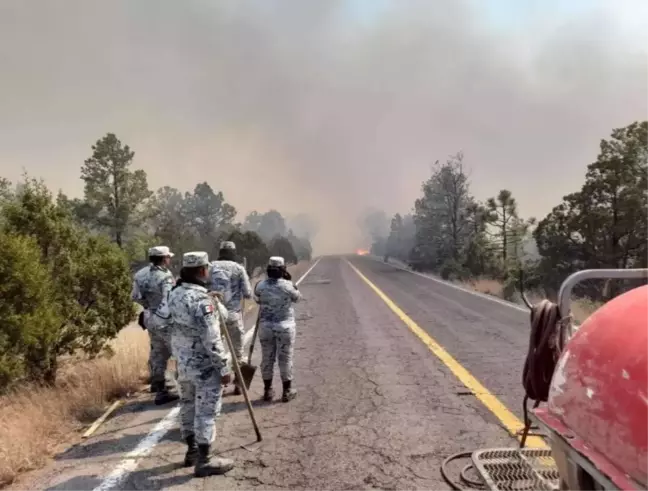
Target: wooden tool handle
column 254, row 336
column 239, row 376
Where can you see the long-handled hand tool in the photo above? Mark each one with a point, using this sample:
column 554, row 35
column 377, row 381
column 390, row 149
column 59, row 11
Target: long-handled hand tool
column 237, row 371
column 247, row 369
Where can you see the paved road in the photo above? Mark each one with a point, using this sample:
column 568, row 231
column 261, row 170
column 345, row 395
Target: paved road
column 488, row 338
column 376, row 409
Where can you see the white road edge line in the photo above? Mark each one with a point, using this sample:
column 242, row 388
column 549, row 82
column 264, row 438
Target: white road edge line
column 144, row 448
column 452, row 285
column 146, row 445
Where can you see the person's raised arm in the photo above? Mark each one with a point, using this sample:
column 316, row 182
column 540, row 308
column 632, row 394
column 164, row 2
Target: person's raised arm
column 293, row 291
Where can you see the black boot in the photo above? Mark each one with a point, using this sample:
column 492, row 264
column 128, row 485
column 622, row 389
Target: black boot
column 288, row 393
column 157, row 387
column 165, row 397
column 268, row 393
column 237, row 387
column 191, row 457
column 211, row 466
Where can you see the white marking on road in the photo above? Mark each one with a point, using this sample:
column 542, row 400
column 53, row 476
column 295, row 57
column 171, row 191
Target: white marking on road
column 145, row 446
column 456, row 287
column 308, row 272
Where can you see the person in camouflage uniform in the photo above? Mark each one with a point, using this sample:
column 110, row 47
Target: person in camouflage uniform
column 230, row 279
column 151, row 285
column 275, row 296
column 203, row 364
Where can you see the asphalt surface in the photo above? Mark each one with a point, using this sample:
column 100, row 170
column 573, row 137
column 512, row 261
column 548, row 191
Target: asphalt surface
column 488, row 338
column 375, row 409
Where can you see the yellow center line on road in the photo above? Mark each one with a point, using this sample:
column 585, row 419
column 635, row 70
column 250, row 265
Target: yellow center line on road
column 512, row 424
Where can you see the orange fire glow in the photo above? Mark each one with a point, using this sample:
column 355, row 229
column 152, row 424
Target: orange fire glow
column 362, row 252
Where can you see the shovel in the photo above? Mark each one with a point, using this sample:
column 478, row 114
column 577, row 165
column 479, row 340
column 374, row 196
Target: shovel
column 247, row 369
column 237, row 371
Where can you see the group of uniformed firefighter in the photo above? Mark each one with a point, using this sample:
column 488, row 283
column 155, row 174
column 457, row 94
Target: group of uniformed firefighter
column 184, row 319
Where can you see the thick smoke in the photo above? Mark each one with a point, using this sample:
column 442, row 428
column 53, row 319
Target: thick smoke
column 319, row 107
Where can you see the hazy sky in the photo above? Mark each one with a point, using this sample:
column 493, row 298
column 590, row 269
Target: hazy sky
column 322, row 106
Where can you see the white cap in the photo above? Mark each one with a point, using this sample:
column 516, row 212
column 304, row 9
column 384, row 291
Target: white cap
column 276, row 261
column 228, row 245
column 160, row 251
column 195, row 259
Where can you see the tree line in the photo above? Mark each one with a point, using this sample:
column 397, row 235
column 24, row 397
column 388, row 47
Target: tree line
column 603, row 225
column 67, row 263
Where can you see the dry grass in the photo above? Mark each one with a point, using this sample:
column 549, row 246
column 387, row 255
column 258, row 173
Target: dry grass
column 35, row 421
column 581, row 308
column 487, row 286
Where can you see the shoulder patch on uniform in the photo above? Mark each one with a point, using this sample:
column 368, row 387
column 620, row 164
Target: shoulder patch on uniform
column 207, row 309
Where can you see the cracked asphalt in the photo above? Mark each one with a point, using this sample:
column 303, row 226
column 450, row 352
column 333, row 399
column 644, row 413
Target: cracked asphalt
column 375, row 409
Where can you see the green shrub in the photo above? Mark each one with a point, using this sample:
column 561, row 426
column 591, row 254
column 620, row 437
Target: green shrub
column 250, row 245
column 281, row 246
column 28, row 315
column 89, row 281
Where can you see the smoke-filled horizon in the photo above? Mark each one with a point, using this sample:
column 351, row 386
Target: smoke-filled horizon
column 325, row 107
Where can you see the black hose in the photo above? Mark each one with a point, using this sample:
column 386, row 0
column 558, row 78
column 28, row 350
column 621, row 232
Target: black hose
column 478, row 484
column 464, row 480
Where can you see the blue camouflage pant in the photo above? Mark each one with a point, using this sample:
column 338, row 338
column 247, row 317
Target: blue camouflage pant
column 277, row 343
column 200, row 405
column 160, row 350
column 234, row 324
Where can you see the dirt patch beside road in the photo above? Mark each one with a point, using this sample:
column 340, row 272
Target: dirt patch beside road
column 36, row 421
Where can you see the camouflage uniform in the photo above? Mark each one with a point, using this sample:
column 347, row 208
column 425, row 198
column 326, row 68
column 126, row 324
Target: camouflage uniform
column 151, row 286
column 231, row 280
column 276, row 324
column 202, row 361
